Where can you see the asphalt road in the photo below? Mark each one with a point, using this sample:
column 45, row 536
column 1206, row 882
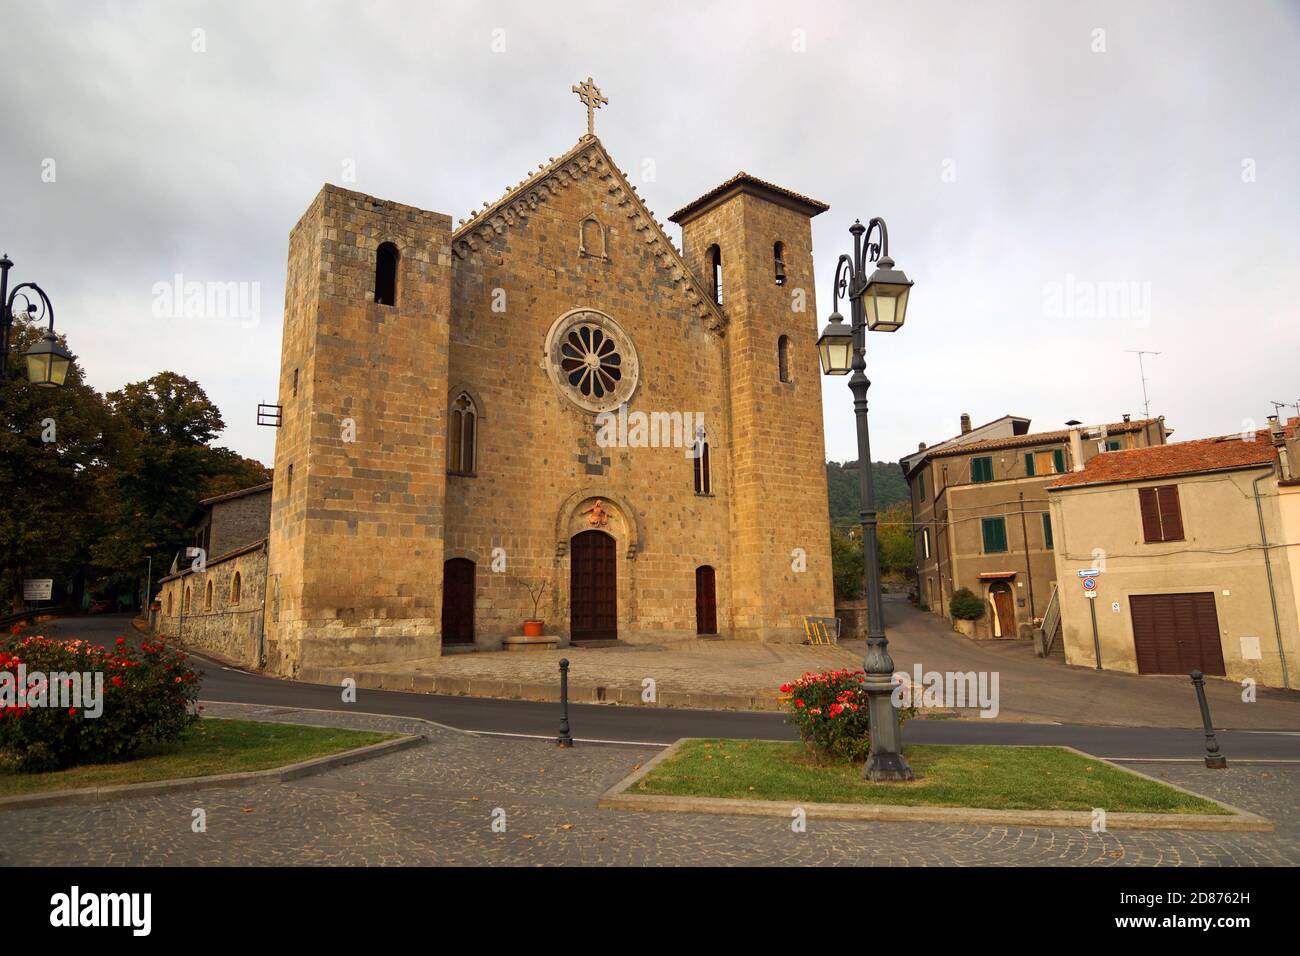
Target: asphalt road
column 661, row 725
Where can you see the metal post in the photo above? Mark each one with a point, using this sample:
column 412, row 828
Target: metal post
column 1213, row 758
column 1096, row 641
column 565, row 739
column 6, row 318
column 886, row 759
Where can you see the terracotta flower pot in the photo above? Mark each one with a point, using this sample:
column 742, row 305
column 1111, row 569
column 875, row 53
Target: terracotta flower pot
column 533, row 628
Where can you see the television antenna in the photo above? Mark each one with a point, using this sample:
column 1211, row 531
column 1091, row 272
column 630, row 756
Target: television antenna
column 1142, row 373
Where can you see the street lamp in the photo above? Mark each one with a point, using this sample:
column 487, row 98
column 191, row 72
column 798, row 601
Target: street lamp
column 47, row 361
column 877, row 302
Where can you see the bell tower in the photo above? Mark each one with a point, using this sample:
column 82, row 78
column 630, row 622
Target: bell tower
column 357, row 514
column 750, row 242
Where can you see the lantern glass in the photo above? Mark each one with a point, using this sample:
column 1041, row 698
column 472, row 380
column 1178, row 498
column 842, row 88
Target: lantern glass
column 835, row 347
column 48, row 362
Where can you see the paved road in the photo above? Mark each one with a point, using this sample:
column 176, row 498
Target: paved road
column 650, row 725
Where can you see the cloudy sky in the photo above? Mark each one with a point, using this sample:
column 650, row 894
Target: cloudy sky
column 1063, row 181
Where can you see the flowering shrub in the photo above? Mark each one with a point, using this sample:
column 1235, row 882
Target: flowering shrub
column 830, row 711
column 146, row 695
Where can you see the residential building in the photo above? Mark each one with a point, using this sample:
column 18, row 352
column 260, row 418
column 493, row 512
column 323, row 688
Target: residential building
column 1198, row 548
column 980, row 511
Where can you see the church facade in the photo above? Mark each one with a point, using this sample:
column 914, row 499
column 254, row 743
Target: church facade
column 547, row 412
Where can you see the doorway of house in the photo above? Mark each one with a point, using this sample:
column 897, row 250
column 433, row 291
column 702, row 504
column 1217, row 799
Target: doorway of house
column 593, row 587
column 458, row 601
column 1004, row 609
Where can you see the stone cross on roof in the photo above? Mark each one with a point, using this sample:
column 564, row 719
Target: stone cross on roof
column 590, row 95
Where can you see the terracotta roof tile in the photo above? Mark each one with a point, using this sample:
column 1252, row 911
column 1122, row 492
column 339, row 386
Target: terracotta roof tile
column 1033, row 438
column 813, row 207
column 1226, row 453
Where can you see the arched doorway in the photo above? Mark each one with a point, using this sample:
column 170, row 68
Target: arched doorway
column 593, row 587
column 1004, row 609
column 706, row 600
column 458, row 601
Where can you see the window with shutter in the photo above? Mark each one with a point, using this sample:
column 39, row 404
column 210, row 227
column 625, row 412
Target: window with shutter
column 995, row 534
column 1029, row 464
column 1048, row 543
column 1058, row 459
column 1162, row 516
column 981, row 469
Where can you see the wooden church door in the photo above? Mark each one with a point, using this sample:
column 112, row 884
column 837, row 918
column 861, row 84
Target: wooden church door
column 593, row 587
column 706, row 600
column 458, row 601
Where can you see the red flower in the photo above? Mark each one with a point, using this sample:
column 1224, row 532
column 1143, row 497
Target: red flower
column 799, row 703
column 121, row 641
column 117, row 680
column 72, row 712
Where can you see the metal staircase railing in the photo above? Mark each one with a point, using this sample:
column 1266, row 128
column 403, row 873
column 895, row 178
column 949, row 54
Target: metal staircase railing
column 1051, row 626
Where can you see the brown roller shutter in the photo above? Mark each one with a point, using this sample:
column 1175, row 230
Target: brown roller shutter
column 1176, row 633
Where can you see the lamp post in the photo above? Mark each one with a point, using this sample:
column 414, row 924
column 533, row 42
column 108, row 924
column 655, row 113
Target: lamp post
column 878, row 303
column 47, row 361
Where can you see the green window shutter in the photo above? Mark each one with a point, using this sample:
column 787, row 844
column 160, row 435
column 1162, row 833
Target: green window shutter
column 1112, row 444
column 1048, row 543
column 981, row 469
column 1058, row 456
column 995, row 534
column 1029, row 463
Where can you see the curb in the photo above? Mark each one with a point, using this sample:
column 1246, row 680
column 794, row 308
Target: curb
column 1241, row 821
column 579, row 693
column 293, row 771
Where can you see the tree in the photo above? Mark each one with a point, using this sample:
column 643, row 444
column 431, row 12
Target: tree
column 897, row 545
column 54, row 443
column 165, row 466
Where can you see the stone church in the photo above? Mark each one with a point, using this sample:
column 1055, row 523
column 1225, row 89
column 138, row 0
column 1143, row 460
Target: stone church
column 547, row 411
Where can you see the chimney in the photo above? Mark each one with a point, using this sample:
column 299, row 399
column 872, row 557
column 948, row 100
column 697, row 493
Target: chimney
column 1127, row 417
column 920, row 446
column 965, row 423
column 1076, row 447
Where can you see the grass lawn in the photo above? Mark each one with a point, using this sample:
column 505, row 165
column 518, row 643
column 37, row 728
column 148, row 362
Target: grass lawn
column 1001, row 778
column 213, row 746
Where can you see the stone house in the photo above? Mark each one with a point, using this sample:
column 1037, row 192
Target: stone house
column 213, row 599
column 1198, row 548
column 981, row 516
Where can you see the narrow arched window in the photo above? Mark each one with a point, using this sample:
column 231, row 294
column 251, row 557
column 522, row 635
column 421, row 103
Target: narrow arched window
column 236, row 586
column 778, row 261
column 783, row 357
column 386, row 260
column 207, row 597
column 169, row 603
column 462, row 436
column 185, row 604
column 702, row 454
column 715, row 265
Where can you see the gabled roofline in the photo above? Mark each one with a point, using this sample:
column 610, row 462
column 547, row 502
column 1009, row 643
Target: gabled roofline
column 518, row 203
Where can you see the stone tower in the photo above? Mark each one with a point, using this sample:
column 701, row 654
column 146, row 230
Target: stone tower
column 356, row 538
column 751, row 242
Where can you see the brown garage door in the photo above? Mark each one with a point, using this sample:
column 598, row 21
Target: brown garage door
column 1176, row 633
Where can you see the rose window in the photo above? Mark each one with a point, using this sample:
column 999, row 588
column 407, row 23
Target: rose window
column 591, row 360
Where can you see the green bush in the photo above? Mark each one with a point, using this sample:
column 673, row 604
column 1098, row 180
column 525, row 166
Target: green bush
column 148, row 695
column 965, row 606
column 830, row 712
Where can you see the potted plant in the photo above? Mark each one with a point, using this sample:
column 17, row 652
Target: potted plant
column 534, row 626
column 966, row 608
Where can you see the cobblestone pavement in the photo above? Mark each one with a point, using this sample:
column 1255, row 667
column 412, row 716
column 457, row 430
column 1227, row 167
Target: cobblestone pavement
column 434, row 805
column 1030, row 688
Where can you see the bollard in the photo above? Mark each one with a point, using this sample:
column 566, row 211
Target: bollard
column 1213, row 758
column 565, row 739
